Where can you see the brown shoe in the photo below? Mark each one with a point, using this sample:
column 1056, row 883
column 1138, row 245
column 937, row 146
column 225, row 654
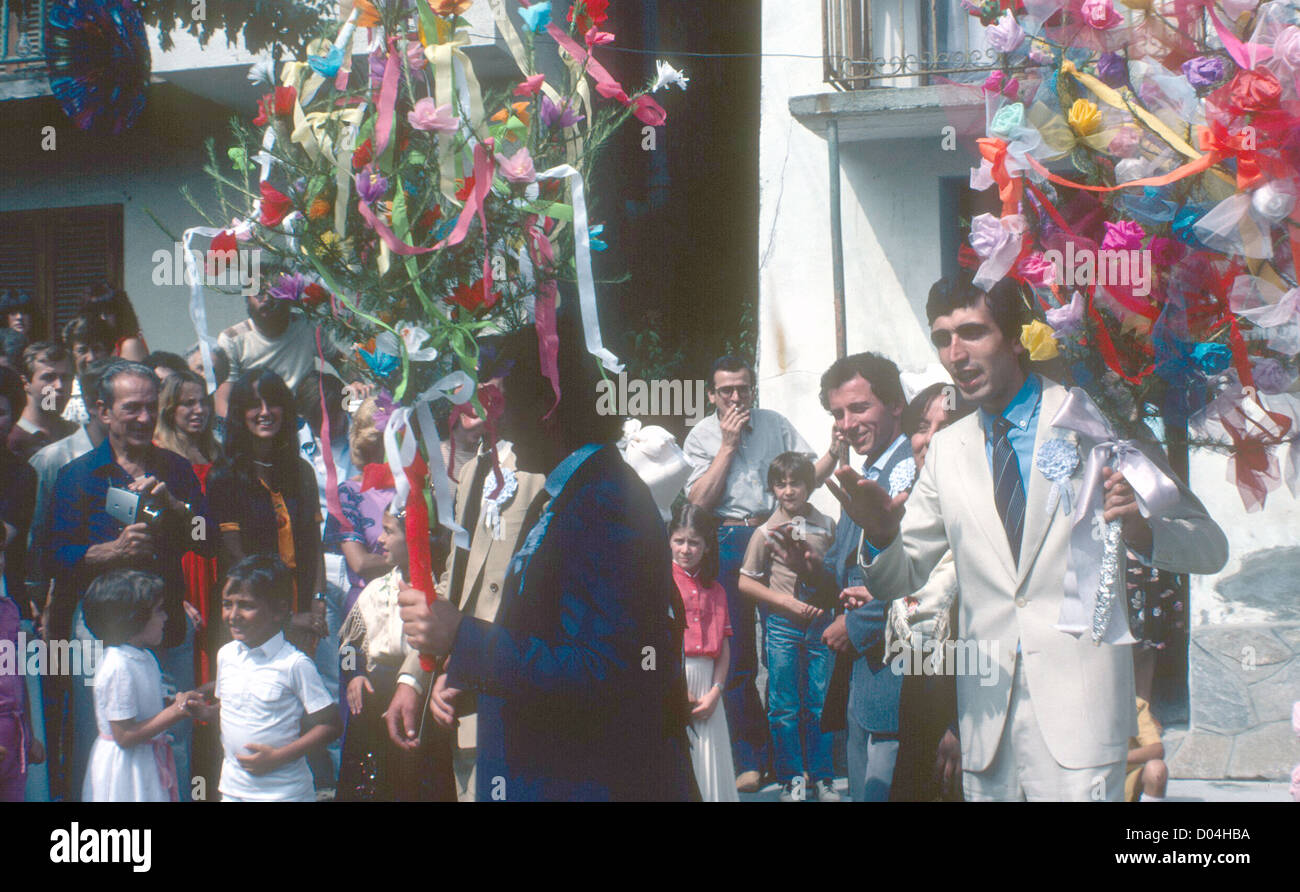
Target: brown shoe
column 747, row 782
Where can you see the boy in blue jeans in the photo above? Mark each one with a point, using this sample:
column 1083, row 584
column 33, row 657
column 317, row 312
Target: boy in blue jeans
column 798, row 663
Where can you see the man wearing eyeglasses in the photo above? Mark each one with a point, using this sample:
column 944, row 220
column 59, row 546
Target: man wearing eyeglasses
column 729, row 452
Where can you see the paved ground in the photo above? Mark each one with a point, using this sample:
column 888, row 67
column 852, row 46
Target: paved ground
column 1179, row 791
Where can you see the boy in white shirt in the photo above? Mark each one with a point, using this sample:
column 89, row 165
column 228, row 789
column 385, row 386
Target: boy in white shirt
column 267, row 691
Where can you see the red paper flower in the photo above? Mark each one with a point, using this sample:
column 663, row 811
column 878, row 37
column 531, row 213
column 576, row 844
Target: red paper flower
column 428, row 218
column 649, row 111
column 593, row 12
column 611, row 90
column 223, row 248
column 275, row 205
column 471, row 297
column 314, row 294
column 463, row 193
column 279, row 103
column 362, row 156
column 1253, row 91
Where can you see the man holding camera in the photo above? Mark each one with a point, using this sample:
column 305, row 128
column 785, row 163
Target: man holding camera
column 129, row 504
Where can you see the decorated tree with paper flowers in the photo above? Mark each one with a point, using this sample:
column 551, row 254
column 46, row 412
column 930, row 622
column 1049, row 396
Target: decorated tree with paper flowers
column 407, row 210
column 1162, row 267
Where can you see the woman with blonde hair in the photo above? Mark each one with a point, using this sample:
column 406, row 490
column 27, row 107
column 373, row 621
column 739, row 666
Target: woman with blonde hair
column 185, row 427
column 363, row 499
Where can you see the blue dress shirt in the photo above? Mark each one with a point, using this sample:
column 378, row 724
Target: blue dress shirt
column 1022, row 412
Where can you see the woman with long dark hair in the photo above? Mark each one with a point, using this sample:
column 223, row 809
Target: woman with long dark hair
column 263, row 497
column 114, row 307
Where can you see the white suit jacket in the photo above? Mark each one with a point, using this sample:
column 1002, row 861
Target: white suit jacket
column 1083, row 694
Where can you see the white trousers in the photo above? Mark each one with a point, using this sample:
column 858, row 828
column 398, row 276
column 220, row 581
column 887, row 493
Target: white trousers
column 1023, row 768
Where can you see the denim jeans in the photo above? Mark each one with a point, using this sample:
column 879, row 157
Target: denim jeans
column 872, row 758
column 745, row 718
column 798, row 671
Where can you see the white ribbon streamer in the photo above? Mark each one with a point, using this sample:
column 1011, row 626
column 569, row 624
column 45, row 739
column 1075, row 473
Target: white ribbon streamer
column 586, row 282
column 198, row 309
column 400, row 456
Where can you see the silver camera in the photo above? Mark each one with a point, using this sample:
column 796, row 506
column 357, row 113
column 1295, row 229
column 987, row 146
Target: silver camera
column 130, row 507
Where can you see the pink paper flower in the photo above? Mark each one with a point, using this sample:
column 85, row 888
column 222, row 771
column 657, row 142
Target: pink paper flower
column 428, row 116
column 596, row 37
column 415, row 56
column 1036, row 270
column 1005, row 34
column 1100, row 14
column 1286, row 48
column 1125, row 143
column 530, row 85
column 649, row 111
column 1124, row 236
column 517, row 168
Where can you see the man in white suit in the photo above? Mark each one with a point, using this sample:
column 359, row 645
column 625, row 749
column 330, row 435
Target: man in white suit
column 1055, row 721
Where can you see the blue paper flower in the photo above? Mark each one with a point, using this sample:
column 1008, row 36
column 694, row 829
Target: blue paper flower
column 1184, row 221
column 593, row 236
column 1149, row 207
column 381, row 363
column 329, row 64
column 537, row 16
column 1212, row 358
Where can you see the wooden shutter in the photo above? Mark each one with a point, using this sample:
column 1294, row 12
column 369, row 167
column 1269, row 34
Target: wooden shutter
column 56, row 255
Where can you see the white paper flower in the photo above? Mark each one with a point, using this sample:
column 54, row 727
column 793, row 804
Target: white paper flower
column 666, row 75
column 413, row 336
column 262, row 71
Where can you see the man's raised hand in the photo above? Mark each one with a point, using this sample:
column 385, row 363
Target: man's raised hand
column 869, row 505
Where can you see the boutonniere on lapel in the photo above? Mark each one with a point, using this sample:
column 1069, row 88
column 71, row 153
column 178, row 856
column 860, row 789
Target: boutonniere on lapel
column 493, row 503
column 902, row 477
column 1058, row 459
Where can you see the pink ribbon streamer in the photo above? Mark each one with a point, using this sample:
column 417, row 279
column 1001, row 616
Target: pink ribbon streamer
column 548, row 339
column 332, row 503
column 387, row 100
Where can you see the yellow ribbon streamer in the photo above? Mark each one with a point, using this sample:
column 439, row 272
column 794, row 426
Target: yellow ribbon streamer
column 1119, row 99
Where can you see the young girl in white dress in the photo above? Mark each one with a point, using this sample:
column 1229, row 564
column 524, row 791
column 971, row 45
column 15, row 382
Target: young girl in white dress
column 131, row 760
column 693, row 538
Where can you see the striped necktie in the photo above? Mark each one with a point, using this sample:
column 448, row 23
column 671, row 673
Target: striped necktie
column 1008, row 489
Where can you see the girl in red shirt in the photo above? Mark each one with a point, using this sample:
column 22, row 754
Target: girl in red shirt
column 693, row 537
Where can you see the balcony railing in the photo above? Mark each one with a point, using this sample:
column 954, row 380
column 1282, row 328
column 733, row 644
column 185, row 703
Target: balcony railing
column 22, row 37
column 876, row 43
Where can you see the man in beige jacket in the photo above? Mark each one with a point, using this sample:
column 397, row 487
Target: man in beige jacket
column 1052, row 721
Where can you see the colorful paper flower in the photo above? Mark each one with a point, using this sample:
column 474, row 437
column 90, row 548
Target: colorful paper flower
column 450, row 7
column 1007, row 119
column 1069, row 318
column 329, row 64
column 1112, row 70
column 537, row 16
column 426, row 115
column 530, row 85
column 1203, row 71
column 318, row 208
column 1039, row 339
column 221, row 251
column 1005, row 35
column 998, row 83
column 275, row 205
column 1084, row 117
column 262, row 71
column 369, row 17
column 279, row 103
column 588, row 14
column 593, row 237
column 517, row 168
column 596, row 37
column 371, row 185
column 1212, row 358
column 1100, row 14
column 559, row 115
column 1035, row 269
column 362, row 155
column 380, row 354
column 289, row 286
column 1253, row 91
column 666, row 75
column 1124, row 235
column 413, row 338
column 1274, row 202
column 648, row 111
column 472, row 297
column 314, row 294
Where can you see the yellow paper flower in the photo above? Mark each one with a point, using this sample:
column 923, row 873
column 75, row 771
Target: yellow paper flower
column 1084, row 117
column 1040, row 340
